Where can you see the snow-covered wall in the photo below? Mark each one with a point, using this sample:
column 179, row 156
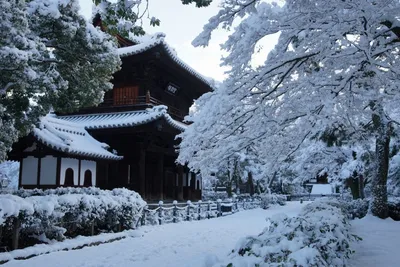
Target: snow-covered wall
column 69, row 163
column 91, row 166
column 48, row 170
column 29, row 171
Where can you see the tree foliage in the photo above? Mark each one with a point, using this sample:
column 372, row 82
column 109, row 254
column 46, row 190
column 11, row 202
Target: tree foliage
column 50, row 58
column 335, row 63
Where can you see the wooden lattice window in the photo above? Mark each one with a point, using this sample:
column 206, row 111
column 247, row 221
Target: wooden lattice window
column 125, row 95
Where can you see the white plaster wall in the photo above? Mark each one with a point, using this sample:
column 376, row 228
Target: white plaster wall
column 29, row 171
column 69, row 163
column 198, row 178
column 48, row 170
column 88, row 165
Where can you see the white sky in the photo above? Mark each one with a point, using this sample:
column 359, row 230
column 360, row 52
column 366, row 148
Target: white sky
column 181, row 24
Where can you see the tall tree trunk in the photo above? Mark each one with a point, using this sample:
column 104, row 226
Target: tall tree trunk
column 379, row 204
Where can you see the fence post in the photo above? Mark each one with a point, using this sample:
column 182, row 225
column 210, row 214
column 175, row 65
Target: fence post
column 209, row 209
column 92, row 228
column 175, row 211
column 236, row 205
column 244, row 203
column 219, row 212
column 189, row 203
column 15, row 235
column 199, row 210
column 144, row 216
column 160, row 214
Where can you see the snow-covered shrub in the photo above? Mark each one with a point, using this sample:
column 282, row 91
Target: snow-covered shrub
column 10, row 171
column 356, row 208
column 268, row 200
column 318, row 236
column 67, row 212
column 394, row 208
column 213, row 195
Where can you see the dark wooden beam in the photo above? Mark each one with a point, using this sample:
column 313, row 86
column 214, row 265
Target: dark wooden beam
column 160, row 175
column 38, row 171
column 20, row 172
column 180, row 182
column 142, row 172
column 58, row 171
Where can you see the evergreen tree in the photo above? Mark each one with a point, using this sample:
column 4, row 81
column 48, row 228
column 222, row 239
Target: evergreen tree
column 50, row 58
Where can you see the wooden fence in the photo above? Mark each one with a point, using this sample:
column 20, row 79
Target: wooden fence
column 176, row 212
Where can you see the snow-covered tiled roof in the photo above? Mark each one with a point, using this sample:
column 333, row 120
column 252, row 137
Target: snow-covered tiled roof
column 124, row 119
column 145, row 44
column 70, row 138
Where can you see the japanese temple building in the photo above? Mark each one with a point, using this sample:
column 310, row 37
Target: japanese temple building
column 129, row 139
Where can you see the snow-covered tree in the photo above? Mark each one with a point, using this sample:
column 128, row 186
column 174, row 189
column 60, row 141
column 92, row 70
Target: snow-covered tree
column 50, row 58
column 335, row 63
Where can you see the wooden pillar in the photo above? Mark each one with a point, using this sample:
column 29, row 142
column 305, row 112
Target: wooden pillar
column 38, row 172
column 161, row 176
column 142, row 172
column 20, row 173
column 180, row 182
column 188, row 184
column 193, row 184
column 58, row 171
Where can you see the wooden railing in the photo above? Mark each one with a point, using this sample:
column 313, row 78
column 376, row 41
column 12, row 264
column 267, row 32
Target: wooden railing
column 175, row 212
column 145, row 100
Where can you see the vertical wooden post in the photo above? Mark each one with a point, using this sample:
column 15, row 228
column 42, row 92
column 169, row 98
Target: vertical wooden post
column 189, row 203
column 15, row 235
column 175, row 211
column 160, row 213
column 143, row 220
column 219, row 210
column 161, row 176
column 142, row 172
column 147, row 97
column 199, row 210
column 92, row 228
column 209, row 209
column 180, row 182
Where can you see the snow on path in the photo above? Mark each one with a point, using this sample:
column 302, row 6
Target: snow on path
column 380, row 244
column 171, row 245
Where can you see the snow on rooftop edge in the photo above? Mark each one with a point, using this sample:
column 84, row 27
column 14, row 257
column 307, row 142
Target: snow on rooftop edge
column 70, row 138
column 123, row 119
column 149, row 41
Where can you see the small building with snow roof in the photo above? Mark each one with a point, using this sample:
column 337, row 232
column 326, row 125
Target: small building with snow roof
column 139, row 119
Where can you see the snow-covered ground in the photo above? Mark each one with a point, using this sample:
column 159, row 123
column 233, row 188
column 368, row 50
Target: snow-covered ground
column 380, row 245
column 171, row 245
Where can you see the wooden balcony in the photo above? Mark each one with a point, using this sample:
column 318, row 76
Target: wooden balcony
column 141, row 102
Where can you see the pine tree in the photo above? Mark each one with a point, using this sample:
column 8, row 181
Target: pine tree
column 50, row 58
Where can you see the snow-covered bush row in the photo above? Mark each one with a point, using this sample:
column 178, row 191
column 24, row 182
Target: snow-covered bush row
column 272, row 199
column 69, row 211
column 357, row 208
column 318, row 236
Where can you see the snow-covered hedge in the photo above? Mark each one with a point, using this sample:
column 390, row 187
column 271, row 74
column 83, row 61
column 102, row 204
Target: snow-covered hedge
column 67, row 212
column 318, row 236
column 272, row 199
column 357, row 208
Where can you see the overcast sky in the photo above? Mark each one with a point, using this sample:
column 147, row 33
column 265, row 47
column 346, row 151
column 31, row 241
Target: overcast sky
column 181, row 24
